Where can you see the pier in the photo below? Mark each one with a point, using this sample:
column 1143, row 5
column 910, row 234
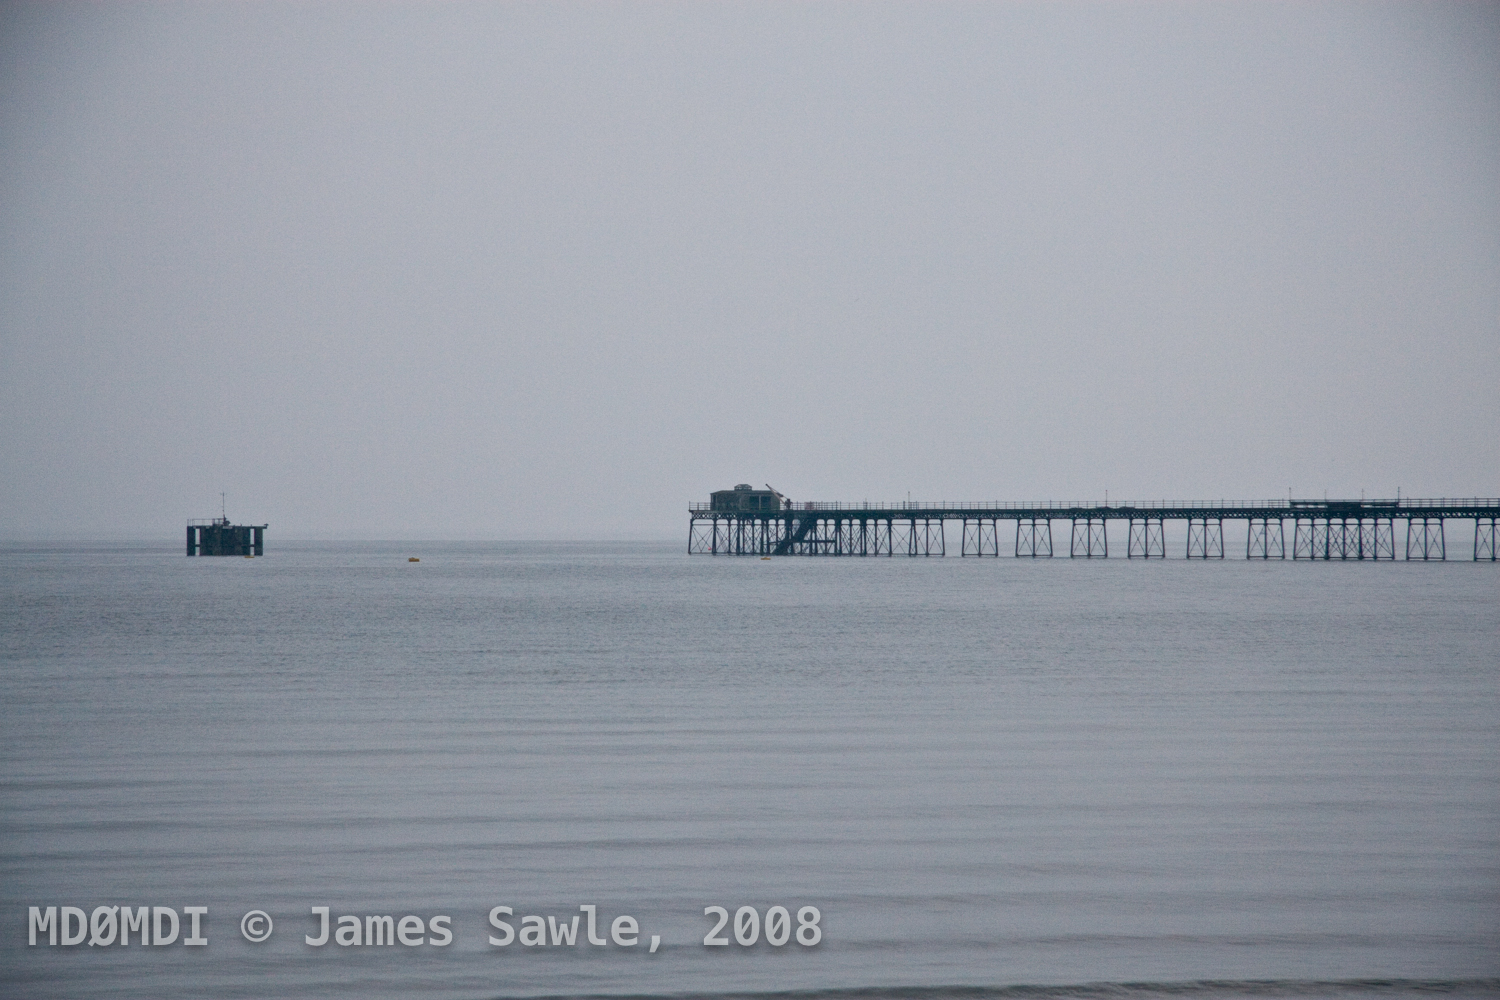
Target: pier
column 750, row 522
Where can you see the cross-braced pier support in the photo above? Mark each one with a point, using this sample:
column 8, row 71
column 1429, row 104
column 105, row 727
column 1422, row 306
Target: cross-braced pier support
column 981, row 538
column 921, row 537
column 735, row 536
column 1344, row 538
column 1090, row 539
column 863, row 536
column 1034, row 538
column 1484, row 539
column 1424, row 539
column 1146, row 539
column 1205, row 538
column 847, row 536
column 1265, row 539
column 1304, row 537
column 852, row 537
column 831, row 535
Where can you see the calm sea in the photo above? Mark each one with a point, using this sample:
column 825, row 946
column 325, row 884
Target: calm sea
column 990, row 778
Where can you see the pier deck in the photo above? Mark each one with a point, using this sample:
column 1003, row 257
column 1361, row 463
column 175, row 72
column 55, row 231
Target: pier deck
column 1321, row 529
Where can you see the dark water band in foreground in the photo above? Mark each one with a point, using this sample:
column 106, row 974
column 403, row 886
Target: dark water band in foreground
column 1217, row 989
column 763, row 522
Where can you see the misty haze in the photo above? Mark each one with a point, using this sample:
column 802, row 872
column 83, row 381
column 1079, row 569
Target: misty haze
column 465, row 340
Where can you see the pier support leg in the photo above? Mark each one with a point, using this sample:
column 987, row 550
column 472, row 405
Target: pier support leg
column 1424, row 539
column 1146, row 539
column 1383, row 538
column 1034, row 538
column 1340, row 545
column 1315, row 539
column 1302, row 539
column 1484, row 539
column 1205, row 538
column 192, row 540
column 1265, row 539
column 929, row 541
column 980, row 538
column 1090, row 539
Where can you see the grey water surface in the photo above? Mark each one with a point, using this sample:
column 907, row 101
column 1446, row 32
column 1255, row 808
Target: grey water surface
column 997, row 777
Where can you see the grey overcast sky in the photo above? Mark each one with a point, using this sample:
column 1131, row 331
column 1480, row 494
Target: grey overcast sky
column 555, row 270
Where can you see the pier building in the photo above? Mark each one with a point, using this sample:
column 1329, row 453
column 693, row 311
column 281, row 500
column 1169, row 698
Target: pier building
column 746, row 498
column 744, row 521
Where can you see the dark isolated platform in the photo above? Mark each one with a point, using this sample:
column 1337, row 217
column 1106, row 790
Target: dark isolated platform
column 217, row 537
